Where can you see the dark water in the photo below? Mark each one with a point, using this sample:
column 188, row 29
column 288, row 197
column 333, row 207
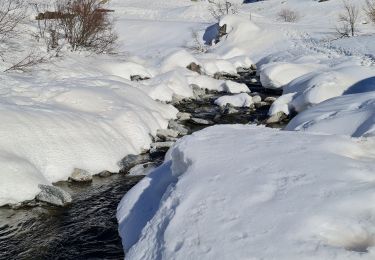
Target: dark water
column 87, row 229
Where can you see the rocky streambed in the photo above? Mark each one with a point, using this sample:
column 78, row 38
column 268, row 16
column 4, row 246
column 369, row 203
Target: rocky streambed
column 87, row 227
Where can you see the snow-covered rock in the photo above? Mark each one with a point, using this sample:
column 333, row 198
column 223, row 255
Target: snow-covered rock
column 80, row 175
column 234, row 87
column 238, row 100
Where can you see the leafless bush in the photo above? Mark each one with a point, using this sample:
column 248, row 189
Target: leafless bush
column 348, row 20
column 197, row 45
column 12, row 13
column 30, row 60
column 288, row 15
column 370, row 10
column 219, row 8
column 48, row 27
column 86, row 24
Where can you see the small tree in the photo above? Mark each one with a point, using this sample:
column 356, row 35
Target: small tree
column 370, row 10
column 86, row 24
column 348, row 20
column 288, row 15
column 219, row 8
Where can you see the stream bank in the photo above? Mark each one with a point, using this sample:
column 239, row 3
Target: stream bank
column 87, row 228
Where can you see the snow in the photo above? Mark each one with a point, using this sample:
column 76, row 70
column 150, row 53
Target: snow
column 352, row 115
column 234, row 87
column 278, row 75
column 178, row 59
column 89, row 123
column 239, row 100
column 258, row 202
column 238, row 192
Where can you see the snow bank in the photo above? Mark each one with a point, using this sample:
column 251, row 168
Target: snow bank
column 179, row 59
column 278, row 75
column 314, row 88
column 206, row 82
column 49, row 128
column 259, row 202
column 213, row 66
column 165, row 86
column 239, row 100
column 352, row 115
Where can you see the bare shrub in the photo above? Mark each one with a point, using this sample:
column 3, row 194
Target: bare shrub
column 348, row 20
column 370, row 10
column 12, row 13
column 48, row 27
column 219, row 8
column 197, row 45
column 86, row 24
column 288, row 15
column 30, row 60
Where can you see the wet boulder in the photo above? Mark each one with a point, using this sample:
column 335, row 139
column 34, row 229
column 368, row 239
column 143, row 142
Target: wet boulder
column 132, row 160
column 53, row 195
column 80, row 175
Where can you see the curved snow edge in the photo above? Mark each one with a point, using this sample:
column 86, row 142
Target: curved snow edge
column 139, row 206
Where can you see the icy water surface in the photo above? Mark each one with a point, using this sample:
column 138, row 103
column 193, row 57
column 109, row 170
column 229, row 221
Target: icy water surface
column 87, row 229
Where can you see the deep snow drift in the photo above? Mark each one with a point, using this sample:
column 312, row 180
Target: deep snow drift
column 245, row 192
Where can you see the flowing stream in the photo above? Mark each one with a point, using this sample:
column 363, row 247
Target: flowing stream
column 87, row 228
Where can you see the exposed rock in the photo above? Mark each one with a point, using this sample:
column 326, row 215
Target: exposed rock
column 270, row 99
column 253, row 67
column 167, row 135
column 80, row 175
column 198, row 91
column 53, row 195
column 179, row 128
column 261, row 104
column 138, row 78
column 160, row 147
column 226, row 76
column 257, row 99
column 222, row 31
column 243, row 70
column 105, row 174
column 142, row 169
column 132, row 160
column 177, row 98
column 183, row 116
column 194, row 67
column 253, row 80
column 228, row 109
column 276, row 118
column 200, row 121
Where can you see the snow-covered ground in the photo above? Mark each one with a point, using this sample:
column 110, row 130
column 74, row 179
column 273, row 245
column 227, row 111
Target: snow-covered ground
column 233, row 192
column 246, row 192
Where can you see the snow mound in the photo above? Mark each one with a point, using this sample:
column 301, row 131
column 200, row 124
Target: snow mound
column 239, row 100
column 213, row 66
column 89, row 123
column 165, row 86
column 352, row 115
column 178, row 59
column 234, row 87
column 259, row 201
column 314, row 88
column 278, row 75
column 206, row 82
